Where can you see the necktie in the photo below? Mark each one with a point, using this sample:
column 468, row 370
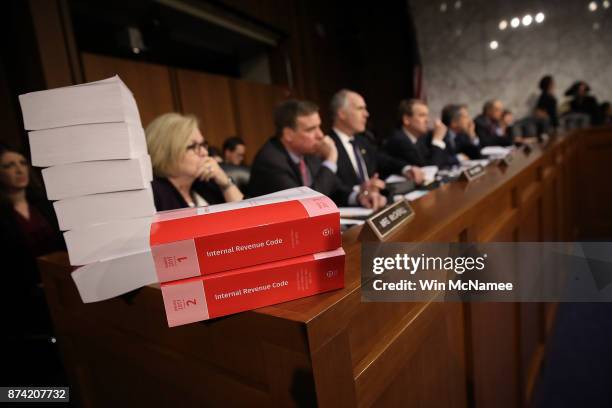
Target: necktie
column 360, row 162
column 451, row 140
column 304, row 172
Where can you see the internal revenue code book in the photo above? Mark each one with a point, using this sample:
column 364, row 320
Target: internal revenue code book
column 199, row 241
column 195, row 299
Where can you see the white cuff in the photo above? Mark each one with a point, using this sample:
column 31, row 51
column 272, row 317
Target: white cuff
column 439, row 143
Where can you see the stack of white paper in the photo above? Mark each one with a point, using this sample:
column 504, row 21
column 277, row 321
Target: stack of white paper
column 90, row 139
column 103, row 101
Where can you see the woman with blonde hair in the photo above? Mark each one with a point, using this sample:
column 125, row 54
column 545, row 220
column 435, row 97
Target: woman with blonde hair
column 185, row 175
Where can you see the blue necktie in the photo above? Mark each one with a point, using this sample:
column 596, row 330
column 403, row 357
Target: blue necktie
column 360, row 162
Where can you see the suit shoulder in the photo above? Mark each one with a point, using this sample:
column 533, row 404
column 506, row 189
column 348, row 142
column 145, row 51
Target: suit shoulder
column 271, row 149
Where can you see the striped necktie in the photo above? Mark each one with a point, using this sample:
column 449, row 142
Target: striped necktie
column 361, row 167
column 305, row 173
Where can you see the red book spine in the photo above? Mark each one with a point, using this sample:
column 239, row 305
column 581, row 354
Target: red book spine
column 207, row 297
column 213, row 243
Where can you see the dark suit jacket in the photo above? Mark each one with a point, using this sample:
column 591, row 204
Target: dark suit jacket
column 376, row 161
column 447, row 157
column 587, row 104
column 548, row 103
column 485, row 129
column 398, row 145
column 167, row 197
column 273, row 170
column 21, row 278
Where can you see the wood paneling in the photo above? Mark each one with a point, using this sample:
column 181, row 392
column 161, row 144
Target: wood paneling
column 209, row 97
column 50, row 32
column 594, row 169
column 494, row 346
column 150, row 83
column 255, row 105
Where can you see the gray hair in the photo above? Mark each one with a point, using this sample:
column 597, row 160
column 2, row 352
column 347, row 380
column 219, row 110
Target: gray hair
column 488, row 105
column 339, row 101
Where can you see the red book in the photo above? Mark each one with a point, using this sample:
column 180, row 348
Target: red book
column 220, row 241
column 195, row 299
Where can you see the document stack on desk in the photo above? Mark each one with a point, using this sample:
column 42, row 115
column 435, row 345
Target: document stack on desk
column 211, row 261
column 496, row 152
column 216, row 260
column 90, row 140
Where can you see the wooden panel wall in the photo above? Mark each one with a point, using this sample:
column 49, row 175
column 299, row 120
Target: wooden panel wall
column 225, row 106
column 209, row 97
column 150, row 83
column 255, row 105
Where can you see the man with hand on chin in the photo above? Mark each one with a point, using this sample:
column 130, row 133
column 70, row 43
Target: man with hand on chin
column 299, row 154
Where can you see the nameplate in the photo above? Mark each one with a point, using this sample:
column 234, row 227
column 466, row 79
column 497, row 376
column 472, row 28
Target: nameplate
column 506, row 160
column 384, row 222
column 473, row 172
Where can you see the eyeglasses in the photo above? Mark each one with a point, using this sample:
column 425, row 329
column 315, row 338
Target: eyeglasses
column 198, row 147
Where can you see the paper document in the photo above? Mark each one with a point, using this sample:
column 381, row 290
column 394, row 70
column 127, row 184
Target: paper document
column 495, row 151
column 355, row 212
column 351, row 221
column 415, row 195
column 394, row 178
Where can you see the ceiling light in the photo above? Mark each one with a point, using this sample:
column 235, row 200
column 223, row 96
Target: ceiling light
column 539, row 17
column 605, row 4
column 503, row 25
column 527, row 20
column 443, row 7
column 493, row 45
column 592, row 6
column 515, row 22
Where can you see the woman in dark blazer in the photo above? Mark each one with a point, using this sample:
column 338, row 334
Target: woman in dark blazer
column 185, row 175
column 28, row 229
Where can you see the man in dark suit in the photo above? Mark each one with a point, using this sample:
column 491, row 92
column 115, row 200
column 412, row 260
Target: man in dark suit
column 359, row 160
column 410, row 142
column 460, row 142
column 299, row 155
column 488, row 126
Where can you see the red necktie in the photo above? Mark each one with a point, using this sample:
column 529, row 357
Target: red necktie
column 304, row 173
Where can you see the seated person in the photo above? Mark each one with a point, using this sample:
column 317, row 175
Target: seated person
column 406, row 142
column 234, row 151
column 488, row 126
column 582, row 102
column 460, row 142
column 299, row 154
column 506, row 125
column 359, row 161
column 28, row 229
column 185, row 175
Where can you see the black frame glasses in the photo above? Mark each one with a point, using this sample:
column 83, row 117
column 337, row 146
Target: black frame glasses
column 198, row 147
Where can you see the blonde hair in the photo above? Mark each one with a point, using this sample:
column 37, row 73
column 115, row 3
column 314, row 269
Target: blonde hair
column 167, row 138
